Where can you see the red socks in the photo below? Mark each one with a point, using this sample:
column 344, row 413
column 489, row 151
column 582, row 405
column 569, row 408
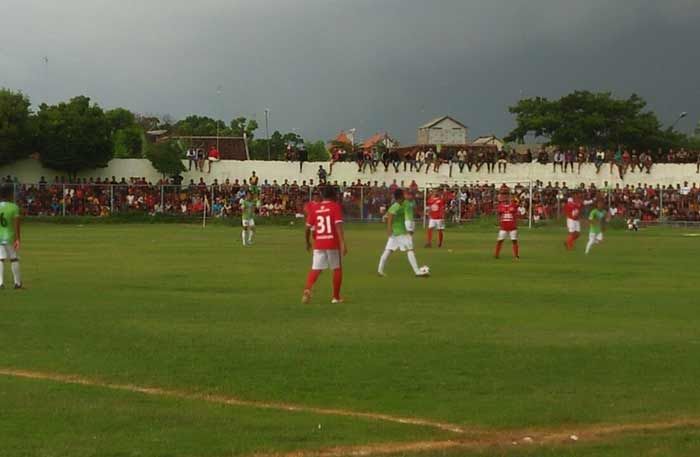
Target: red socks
column 311, row 278
column 440, row 234
column 499, row 245
column 516, row 249
column 571, row 240
column 337, row 282
column 430, row 236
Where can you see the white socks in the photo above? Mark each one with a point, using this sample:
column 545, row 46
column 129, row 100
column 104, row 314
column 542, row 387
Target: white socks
column 14, row 266
column 413, row 261
column 251, row 235
column 243, row 237
column 589, row 246
column 16, row 273
column 382, row 261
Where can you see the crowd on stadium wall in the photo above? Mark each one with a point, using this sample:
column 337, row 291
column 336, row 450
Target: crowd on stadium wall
column 491, row 160
column 361, row 200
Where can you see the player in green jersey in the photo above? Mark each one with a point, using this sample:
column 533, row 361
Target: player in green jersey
column 399, row 237
column 10, row 236
column 597, row 218
column 249, row 204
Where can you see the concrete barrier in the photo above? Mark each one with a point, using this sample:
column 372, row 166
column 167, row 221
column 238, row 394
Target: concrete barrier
column 30, row 170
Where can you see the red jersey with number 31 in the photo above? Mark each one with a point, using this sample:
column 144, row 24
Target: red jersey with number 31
column 508, row 216
column 322, row 219
column 573, row 210
column 436, row 208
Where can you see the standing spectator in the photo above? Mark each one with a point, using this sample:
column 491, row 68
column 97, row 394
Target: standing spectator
column 429, row 158
column 558, row 160
column 191, row 155
column 322, row 175
column 214, row 156
column 253, row 182
column 420, row 159
column 200, row 159
column 580, row 158
column 502, row 161
column 409, row 160
column 303, row 156
column 462, row 160
column 491, row 160
column 569, row 159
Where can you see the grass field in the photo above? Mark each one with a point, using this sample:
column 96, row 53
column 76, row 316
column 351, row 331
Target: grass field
column 167, row 340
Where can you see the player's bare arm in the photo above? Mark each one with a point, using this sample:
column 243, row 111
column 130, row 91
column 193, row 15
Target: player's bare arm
column 307, row 235
column 389, row 221
column 18, row 235
column 341, row 238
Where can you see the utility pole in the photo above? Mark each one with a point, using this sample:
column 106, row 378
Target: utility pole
column 267, row 131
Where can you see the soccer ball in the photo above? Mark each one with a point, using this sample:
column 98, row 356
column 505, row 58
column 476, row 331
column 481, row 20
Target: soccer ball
column 425, row 270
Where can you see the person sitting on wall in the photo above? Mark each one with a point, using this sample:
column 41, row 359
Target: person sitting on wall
column 214, row 156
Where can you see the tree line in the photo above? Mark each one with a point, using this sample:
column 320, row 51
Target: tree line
column 78, row 134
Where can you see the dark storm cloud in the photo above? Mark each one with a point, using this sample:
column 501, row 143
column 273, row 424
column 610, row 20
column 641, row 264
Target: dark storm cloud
column 325, row 65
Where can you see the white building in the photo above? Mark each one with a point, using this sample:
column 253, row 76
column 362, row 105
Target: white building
column 443, row 130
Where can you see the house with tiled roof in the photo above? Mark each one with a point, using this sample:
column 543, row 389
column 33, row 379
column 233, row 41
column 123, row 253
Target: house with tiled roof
column 380, row 138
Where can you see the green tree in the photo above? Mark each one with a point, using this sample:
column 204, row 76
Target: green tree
column 74, row 135
column 128, row 143
column 148, row 123
column 120, row 119
column 586, row 118
column 16, row 126
column 166, row 158
column 241, row 125
column 318, row 152
column 200, row 126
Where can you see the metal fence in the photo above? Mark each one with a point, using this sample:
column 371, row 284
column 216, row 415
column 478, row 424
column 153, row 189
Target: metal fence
column 361, row 203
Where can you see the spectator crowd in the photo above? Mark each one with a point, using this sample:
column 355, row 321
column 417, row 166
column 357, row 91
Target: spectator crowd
column 361, row 200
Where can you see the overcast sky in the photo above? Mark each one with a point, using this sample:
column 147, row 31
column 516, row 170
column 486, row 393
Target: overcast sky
column 375, row 65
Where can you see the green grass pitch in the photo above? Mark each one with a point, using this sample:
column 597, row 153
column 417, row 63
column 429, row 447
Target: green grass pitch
column 558, row 342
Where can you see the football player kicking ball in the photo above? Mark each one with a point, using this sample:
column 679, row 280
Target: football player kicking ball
column 596, row 219
column 508, row 222
column 9, row 236
column 573, row 212
column 436, row 212
column 325, row 222
column 399, row 237
column 248, row 207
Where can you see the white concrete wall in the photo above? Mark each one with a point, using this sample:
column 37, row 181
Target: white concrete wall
column 30, row 171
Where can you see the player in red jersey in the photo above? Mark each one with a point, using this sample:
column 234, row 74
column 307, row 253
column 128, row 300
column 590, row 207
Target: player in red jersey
column 508, row 221
column 310, row 205
column 325, row 222
column 436, row 214
column 573, row 213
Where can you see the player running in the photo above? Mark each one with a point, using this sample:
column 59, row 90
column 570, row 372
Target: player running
column 573, row 212
column 9, row 236
column 248, row 206
column 508, row 222
column 325, row 222
column 399, row 237
column 597, row 218
column 436, row 213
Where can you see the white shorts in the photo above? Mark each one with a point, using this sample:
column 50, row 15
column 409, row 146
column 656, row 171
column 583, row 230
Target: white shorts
column 325, row 259
column 402, row 242
column 7, row 252
column 248, row 222
column 503, row 234
column 595, row 237
column 436, row 224
column 573, row 226
column 410, row 226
